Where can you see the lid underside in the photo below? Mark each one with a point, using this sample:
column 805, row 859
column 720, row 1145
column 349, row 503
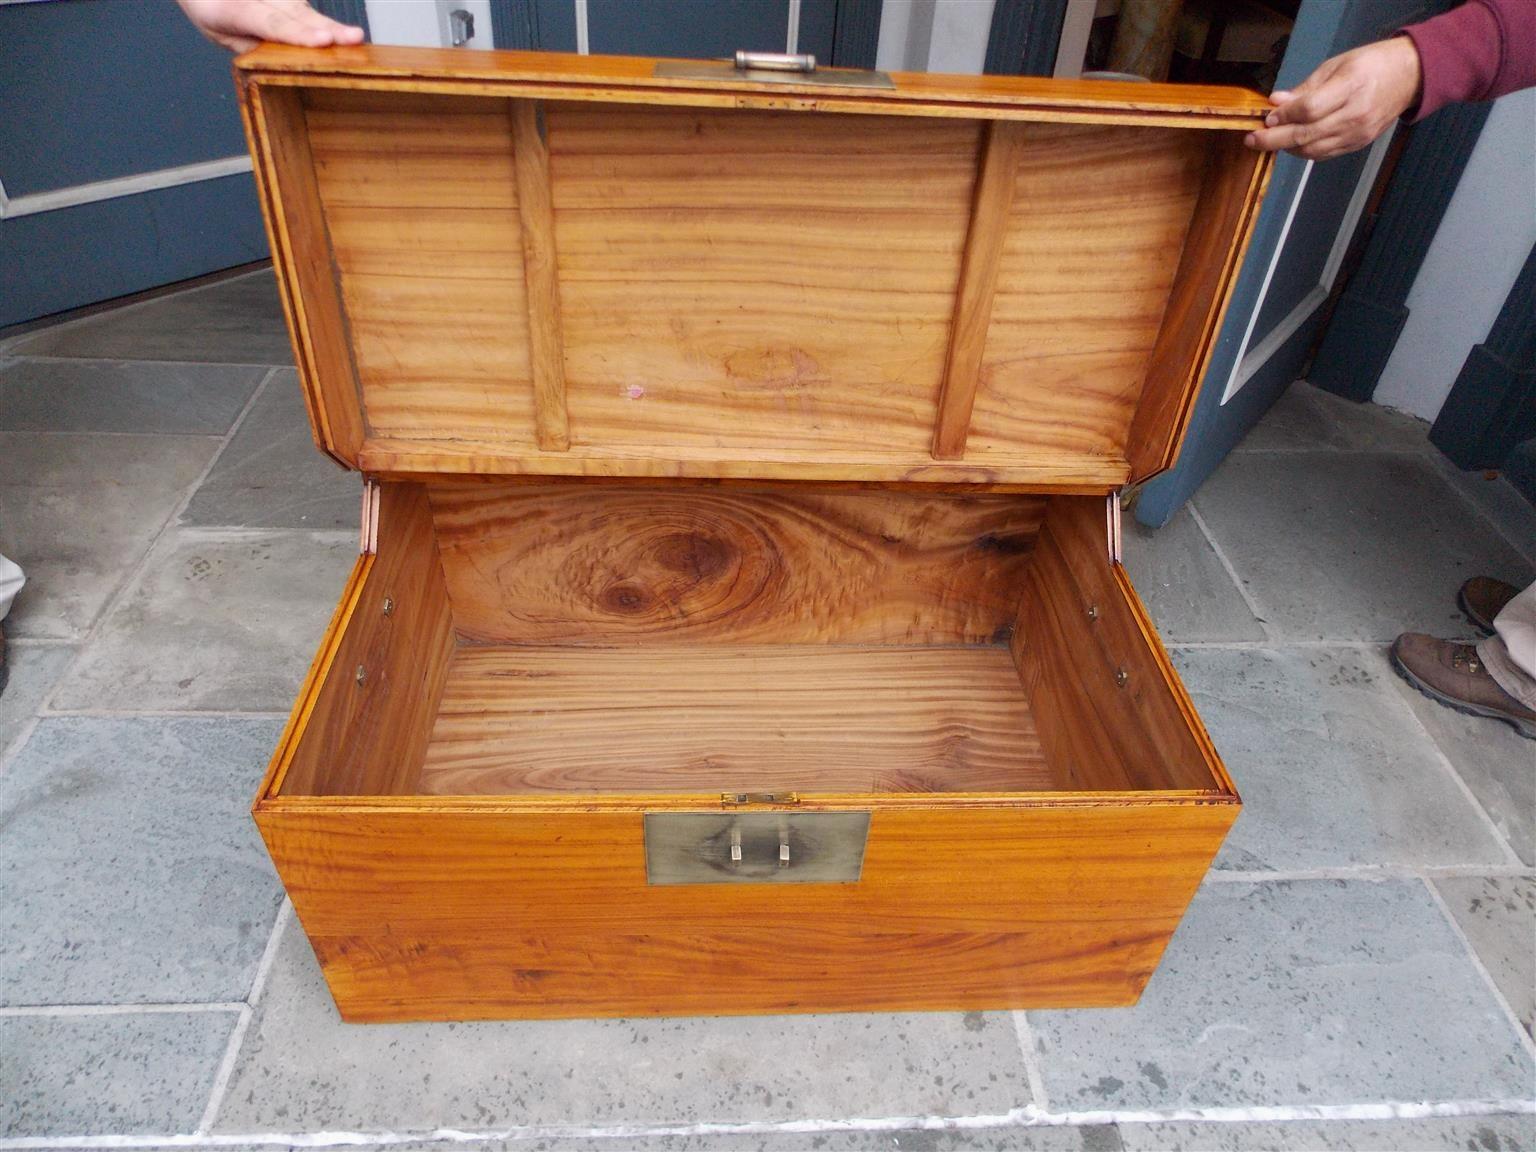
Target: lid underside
column 638, row 281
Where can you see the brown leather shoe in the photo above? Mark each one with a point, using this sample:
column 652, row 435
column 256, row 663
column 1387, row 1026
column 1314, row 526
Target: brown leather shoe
column 1482, row 598
column 1453, row 675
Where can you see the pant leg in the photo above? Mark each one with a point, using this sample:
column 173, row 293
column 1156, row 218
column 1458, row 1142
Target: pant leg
column 11, row 580
column 1510, row 653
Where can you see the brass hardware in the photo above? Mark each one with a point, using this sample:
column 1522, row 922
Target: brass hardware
column 755, row 847
column 726, row 71
column 362, row 673
column 389, row 606
column 732, row 799
column 774, row 61
column 1122, row 677
column 1112, row 515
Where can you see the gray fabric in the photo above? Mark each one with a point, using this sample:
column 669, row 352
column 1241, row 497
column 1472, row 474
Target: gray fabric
column 1510, row 653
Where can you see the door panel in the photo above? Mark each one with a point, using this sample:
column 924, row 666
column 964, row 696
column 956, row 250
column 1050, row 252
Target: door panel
column 1304, row 240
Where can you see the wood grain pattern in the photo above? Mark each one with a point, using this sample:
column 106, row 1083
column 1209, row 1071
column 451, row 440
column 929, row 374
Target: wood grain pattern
column 978, row 279
column 303, row 255
column 1218, row 238
column 598, row 565
column 496, row 912
column 1040, row 472
column 1089, row 257
column 546, row 345
column 422, row 207
column 764, row 294
column 735, row 280
column 368, row 736
column 763, row 718
column 1098, row 733
column 610, row 77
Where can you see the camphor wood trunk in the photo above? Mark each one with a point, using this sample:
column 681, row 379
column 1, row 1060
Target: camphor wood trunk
column 741, row 465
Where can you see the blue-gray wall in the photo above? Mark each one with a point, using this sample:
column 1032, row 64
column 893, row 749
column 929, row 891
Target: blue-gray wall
column 93, row 90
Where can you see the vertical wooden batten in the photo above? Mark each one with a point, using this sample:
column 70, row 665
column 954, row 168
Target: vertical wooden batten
column 978, row 278
column 546, row 343
column 1213, row 253
column 303, row 250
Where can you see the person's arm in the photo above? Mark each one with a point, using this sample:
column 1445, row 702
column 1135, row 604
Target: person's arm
column 240, row 25
column 1479, row 51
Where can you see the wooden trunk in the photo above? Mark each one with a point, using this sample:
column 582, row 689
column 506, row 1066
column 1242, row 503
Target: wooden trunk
column 739, row 625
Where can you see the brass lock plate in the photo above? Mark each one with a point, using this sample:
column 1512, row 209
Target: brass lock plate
column 755, row 847
column 727, row 72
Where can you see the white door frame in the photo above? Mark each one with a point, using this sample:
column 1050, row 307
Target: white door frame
column 1250, row 360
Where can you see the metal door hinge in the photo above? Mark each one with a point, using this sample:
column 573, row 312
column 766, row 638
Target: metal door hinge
column 368, row 542
column 1112, row 516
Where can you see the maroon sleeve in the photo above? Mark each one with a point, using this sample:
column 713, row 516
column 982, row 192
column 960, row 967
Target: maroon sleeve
column 1478, row 51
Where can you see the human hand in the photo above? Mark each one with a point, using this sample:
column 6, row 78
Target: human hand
column 1344, row 105
column 240, row 25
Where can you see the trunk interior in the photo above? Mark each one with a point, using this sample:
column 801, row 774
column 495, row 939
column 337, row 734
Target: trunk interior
column 539, row 639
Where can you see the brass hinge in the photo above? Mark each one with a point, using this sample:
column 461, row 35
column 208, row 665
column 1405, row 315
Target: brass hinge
column 736, row 799
column 368, row 542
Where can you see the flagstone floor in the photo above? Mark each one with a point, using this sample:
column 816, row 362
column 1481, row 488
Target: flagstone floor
column 1356, row 973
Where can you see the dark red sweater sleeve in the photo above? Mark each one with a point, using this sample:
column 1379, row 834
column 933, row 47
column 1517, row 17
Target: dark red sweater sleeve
column 1478, row 51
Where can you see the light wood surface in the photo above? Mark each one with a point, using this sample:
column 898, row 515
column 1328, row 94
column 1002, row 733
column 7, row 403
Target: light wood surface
column 422, row 209
column 764, row 718
column 600, row 565
column 776, row 294
column 546, row 345
column 1087, row 261
column 368, row 723
column 993, row 197
column 1222, row 227
column 1075, row 472
column 302, row 255
column 740, row 280
column 1080, row 626
column 611, row 77
column 493, row 911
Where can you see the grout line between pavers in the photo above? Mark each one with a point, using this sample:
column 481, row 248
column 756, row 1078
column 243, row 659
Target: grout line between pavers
column 1526, row 1040
column 121, row 1009
column 110, row 432
column 226, row 1069
column 1013, row 1118
column 161, row 713
column 1371, row 873
column 125, row 588
column 1511, row 856
column 214, row 533
column 1226, row 563
column 1270, row 645
column 1032, row 1070
column 18, row 357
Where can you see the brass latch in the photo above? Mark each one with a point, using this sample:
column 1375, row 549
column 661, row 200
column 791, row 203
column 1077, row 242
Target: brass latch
column 736, row 799
column 770, row 68
column 755, row 847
